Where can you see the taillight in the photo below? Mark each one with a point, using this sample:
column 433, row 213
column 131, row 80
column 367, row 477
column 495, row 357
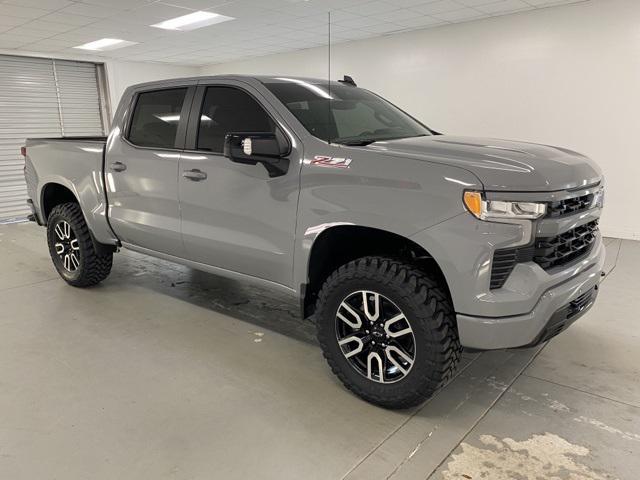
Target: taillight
column 23, row 151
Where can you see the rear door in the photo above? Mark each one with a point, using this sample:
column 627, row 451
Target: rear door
column 142, row 170
column 234, row 216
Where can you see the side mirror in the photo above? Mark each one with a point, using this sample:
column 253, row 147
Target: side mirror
column 251, row 148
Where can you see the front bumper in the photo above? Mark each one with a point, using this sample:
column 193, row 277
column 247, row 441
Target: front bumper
column 553, row 313
column 516, row 314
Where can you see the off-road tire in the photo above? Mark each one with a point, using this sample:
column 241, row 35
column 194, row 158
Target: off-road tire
column 93, row 266
column 426, row 307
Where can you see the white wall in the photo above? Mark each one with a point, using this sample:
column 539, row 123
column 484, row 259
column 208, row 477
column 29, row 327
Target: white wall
column 121, row 74
column 565, row 76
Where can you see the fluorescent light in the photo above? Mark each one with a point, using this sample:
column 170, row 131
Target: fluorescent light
column 192, row 21
column 105, row 44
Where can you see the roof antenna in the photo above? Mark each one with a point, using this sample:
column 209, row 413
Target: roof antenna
column 329, row 76
column 348, row 80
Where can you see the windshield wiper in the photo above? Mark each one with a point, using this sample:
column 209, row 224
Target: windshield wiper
column 358, row 143
column 368, row 141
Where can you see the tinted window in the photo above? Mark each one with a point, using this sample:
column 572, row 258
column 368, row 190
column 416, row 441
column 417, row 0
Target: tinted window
column 156, row 117
column 226, row 110
column 345, row 114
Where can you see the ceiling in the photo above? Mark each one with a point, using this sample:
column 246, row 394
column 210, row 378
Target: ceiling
column 261, row 27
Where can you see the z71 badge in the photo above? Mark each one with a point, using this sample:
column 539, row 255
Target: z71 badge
column 334, row 162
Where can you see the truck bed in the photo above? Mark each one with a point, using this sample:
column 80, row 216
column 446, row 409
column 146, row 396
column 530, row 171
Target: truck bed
column 70, row 139
column 75, row 163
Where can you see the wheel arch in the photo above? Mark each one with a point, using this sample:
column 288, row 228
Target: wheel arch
column 340, row 244
column 53, row 194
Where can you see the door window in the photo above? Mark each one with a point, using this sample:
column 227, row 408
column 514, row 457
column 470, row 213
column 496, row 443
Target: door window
column 156, row 117
column 226, row 110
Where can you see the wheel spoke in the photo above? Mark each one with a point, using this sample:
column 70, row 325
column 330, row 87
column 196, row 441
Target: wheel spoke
column 375, row 356
column 367, row 335
column 403, row 368
column 74, row 261
column 68, row 246
column 356, row 350
column 356, row 323
column 371, row 297
column 59, row 231
column 399, row 333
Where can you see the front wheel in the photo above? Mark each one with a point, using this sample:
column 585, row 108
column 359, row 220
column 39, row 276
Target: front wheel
column 387, row 331
column 72, row 249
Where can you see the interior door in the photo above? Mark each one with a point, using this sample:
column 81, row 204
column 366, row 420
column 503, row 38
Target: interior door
column 234, row 216
column 142, row 171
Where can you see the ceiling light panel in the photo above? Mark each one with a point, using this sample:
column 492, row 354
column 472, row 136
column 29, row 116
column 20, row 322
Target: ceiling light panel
column 192, row 21
column 105, row 44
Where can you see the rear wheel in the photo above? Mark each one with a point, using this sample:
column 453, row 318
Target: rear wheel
column 72, row 249
column 387, row 331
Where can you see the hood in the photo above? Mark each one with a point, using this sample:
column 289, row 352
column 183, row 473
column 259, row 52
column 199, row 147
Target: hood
column 501, row 164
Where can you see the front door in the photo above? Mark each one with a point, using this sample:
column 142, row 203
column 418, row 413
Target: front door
column 234, row 216
column 142, row 171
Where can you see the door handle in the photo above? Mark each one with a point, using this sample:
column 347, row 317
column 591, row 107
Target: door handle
column 118, row 167
column 194, row 175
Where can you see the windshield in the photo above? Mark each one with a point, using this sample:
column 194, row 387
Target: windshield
column 357, row 116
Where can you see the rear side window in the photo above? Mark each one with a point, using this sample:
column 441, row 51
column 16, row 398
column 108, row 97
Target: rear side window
column 226, row 110
column 156, row 117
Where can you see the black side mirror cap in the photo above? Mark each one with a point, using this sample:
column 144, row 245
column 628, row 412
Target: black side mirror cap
column 251, row 148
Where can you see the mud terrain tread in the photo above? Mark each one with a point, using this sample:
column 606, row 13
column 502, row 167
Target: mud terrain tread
column 94, row 267
column 433, row 310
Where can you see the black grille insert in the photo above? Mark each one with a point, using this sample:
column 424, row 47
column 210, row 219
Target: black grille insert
column 555, row 251
column 504, row 261
column 569, row 206
column 579, row 304
column 548, row 252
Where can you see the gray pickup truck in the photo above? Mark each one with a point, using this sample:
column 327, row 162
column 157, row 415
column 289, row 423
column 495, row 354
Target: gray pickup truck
column 401, row 243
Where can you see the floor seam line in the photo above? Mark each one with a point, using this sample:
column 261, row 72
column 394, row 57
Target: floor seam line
column 582, row 391
column 615, row 262
column 382, row 442
column 27, row 285
column 485, row 413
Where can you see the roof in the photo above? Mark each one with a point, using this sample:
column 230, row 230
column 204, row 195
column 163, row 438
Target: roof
column 245, row 78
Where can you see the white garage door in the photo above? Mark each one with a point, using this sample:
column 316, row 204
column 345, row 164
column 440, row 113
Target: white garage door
column 41, row 97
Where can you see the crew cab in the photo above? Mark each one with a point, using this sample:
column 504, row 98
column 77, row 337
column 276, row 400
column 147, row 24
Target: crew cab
column 401, row 243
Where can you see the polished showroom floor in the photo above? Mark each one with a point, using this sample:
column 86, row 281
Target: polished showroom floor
column 163, row 372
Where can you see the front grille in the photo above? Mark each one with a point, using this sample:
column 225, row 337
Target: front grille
column 548, row 252
column 555, row 251
column 569, row 206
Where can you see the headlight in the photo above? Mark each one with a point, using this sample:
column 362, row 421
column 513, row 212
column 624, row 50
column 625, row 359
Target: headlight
column 501, row 210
